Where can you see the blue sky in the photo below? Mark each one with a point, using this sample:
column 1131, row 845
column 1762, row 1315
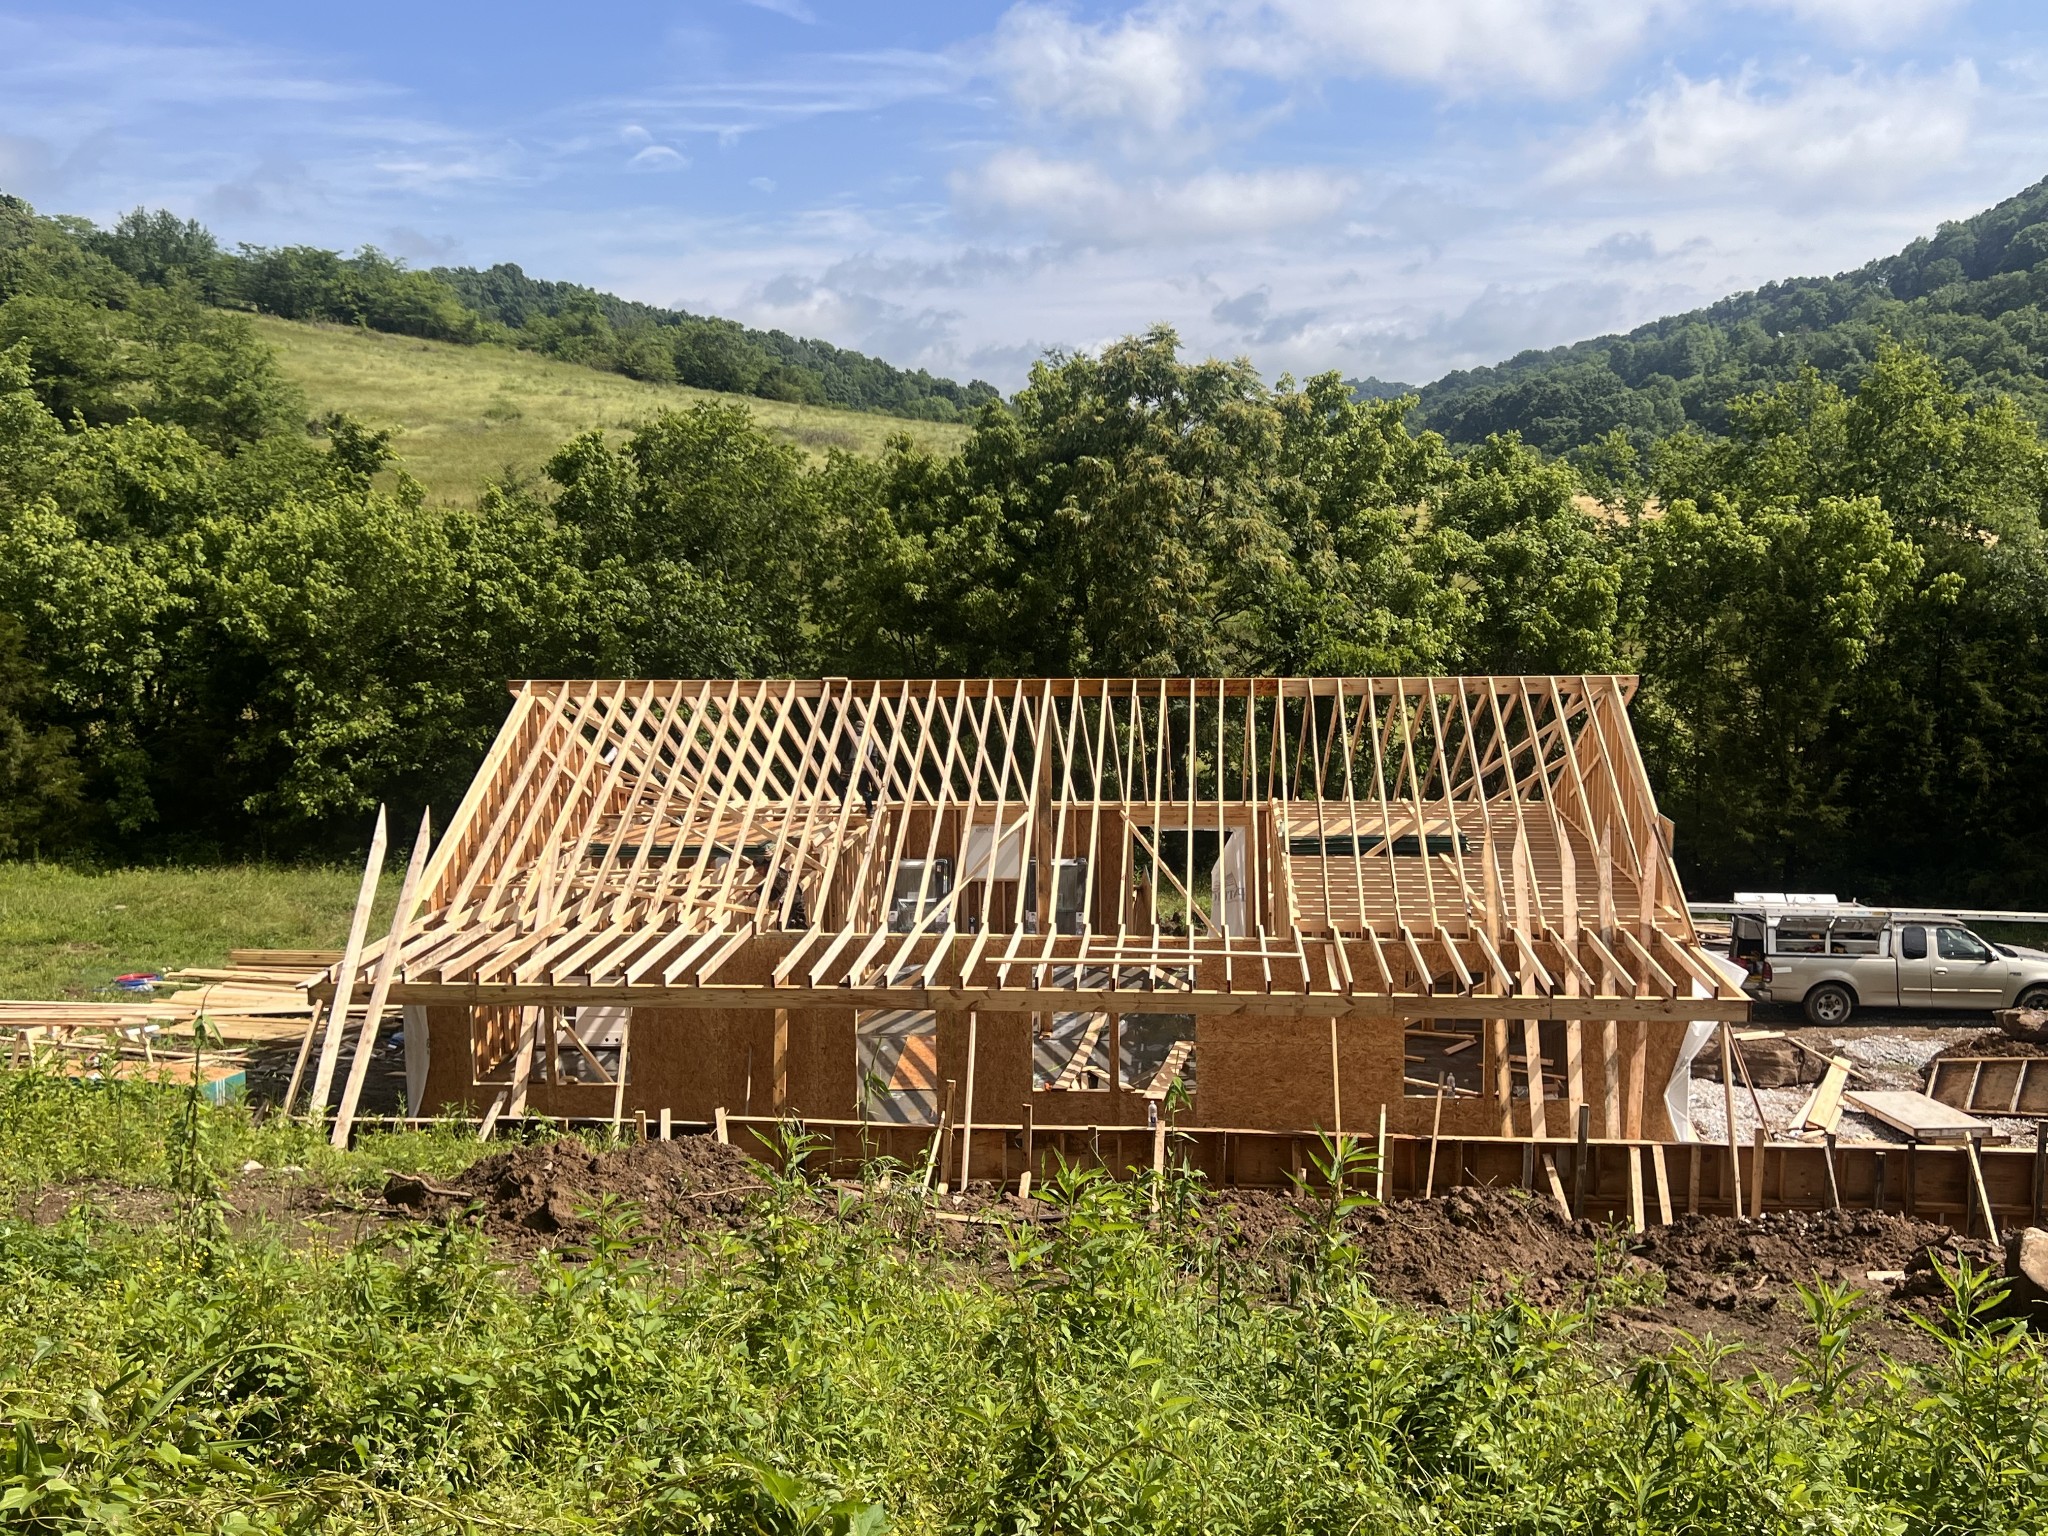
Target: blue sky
column 1390, row 187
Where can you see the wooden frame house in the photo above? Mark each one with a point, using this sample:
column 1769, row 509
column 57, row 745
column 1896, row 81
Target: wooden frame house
column 1258, row 904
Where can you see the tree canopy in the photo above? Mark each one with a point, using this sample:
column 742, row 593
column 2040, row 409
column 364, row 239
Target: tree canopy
column 225, row 629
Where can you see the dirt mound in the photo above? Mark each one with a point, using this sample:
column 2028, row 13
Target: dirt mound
column 550, row 1190
column 1993, row 1042
column 1716, row 1261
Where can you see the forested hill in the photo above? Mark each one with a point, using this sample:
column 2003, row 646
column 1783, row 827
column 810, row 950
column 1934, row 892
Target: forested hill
column 503, row 304
column 1974, row 296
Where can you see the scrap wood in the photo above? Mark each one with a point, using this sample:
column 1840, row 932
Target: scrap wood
column 1822, row 1111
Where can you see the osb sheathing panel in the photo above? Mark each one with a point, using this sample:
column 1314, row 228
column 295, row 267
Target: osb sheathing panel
column 823, row 1075
column 448, row 1068
column 1002, row 1063
column 1265, row 1074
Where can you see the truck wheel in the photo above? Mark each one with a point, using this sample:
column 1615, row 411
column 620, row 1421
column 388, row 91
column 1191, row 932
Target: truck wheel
column 2033, row 997
column 1830, row 1003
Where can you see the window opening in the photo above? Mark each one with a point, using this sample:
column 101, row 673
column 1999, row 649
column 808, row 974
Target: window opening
column 1432, row 1049
column 896, row 1065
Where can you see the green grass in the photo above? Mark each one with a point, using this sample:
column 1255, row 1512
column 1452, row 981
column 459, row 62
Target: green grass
column 465, row 415
column 833, row 1365
column 68, row 933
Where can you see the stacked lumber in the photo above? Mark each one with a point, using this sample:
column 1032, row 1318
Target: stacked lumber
column 260, row 995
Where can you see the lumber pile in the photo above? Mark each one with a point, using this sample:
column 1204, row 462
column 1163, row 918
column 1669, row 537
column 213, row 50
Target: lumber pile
column 260, row 995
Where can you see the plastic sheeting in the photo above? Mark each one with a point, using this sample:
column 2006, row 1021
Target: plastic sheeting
column 1678, row 1091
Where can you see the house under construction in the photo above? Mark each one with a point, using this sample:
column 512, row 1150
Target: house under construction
column 1285, row 905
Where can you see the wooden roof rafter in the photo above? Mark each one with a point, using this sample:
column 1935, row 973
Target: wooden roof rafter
column 1403, row 844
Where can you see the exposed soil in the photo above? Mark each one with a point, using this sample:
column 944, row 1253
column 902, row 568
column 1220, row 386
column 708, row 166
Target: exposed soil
column 1700, row 1275
column 1993, row 1042
column 553, row 1191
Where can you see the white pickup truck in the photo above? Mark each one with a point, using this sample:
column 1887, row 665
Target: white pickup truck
column 1833, row 960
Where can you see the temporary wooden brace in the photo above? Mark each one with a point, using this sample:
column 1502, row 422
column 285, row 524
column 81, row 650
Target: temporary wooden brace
column 1564, row 1206
column 1663, row 1177
column 1635, row 1189
column 291, row 1092
column 387, row 965
column 351, row 961
column 1977, row 1188
column 1436, row 1127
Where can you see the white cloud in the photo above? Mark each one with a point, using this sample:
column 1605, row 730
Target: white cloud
column 1087, row 204
column 1849, row 133
column 1146, row 70
column 795, row 10
column 1153, row 69
column 1546, row 47
column 1863, row 21
column 658, row 157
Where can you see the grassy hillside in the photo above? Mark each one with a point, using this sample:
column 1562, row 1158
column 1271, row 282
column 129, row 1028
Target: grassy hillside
column 467, row 413
column 1974, row 295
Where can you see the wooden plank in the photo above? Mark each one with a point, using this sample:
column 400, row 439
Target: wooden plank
column 380, row 989
column 345, row 978
column 1917, row 1115
column 1564, row 1206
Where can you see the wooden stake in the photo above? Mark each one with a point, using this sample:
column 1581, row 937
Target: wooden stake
column 932, row 1171
column 1756, row 1173
column 1564, row 1206
column 345, row 978
column 1834, row 1188
column 666, row 1123
column 1579, row 1169
column 1663, row 1183
column 1336, row 1084
column 380, row 989
column 2040, row 1169
column 1692, row 1179
column 1635, row 1189
column 1436, row 1126
column 1728, row 1099
column 639, row 1125
column 1024, row 1182
column 1158, row 1155
column 967, row 1109
column 1379, row 1192
column 779, row 1066
column 718, row 1127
